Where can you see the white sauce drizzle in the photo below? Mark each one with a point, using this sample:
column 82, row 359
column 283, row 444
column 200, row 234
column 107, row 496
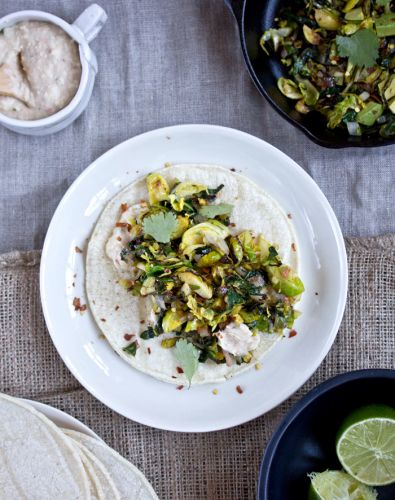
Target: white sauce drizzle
column 120, row 237
column 238, row 339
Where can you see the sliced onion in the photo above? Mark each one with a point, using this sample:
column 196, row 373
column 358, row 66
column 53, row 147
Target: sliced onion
column 354, row 128
column 364, row 96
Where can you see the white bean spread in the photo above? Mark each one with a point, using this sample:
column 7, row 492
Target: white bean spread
column 40, row 67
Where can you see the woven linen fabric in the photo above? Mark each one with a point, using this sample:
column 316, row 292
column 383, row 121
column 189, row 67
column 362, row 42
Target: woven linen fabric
column 164, row 63
column 213, row 466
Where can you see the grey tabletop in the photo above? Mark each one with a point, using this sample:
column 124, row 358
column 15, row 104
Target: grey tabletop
column 164, row 63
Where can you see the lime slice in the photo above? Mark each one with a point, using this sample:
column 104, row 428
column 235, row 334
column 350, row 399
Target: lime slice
column 365, row 445
column 338, row 485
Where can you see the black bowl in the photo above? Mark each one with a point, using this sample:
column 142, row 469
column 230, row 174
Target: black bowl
column 305, row 440
column 254, row 17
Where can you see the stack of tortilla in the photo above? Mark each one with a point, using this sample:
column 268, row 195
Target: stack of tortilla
column 38, row 460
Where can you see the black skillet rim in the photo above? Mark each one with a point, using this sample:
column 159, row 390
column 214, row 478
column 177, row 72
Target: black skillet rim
column 342, row 143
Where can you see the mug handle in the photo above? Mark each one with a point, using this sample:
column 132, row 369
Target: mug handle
column 91, row 21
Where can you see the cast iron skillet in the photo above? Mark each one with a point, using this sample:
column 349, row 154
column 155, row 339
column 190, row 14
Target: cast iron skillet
column 253, row 18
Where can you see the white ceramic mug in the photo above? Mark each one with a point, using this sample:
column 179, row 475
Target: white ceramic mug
column 84, row 29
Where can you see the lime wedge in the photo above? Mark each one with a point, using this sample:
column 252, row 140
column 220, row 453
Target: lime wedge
column 337, row 485
column 365, row 445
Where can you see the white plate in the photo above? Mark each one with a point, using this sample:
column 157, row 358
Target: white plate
column 284, row 369
column 61, row 419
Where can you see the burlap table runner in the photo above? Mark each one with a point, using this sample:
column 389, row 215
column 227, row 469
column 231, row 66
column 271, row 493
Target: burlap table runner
column 221, row 465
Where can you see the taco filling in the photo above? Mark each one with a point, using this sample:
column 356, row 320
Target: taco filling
column 213, row 289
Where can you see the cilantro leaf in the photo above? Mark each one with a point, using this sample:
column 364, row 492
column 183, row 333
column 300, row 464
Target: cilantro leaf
column 211, row 211
column 160, row 226
column 382, row 3
column 188, row 357
column 361, row 48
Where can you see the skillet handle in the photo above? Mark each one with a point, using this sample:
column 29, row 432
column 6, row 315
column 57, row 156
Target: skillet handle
column 236, row 7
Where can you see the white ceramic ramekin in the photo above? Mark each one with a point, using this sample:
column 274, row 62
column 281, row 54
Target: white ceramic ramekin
column 84, row 29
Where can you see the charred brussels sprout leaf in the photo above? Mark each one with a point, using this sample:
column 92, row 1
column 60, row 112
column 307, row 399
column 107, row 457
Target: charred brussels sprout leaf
column 285, row 281
column 327, row 19
column 131, row 348
column 149, row 333
column 172, row 320
column 158, row 189
column 336, row 115
column 289, row 88
column 188, row 189
column 197, row 284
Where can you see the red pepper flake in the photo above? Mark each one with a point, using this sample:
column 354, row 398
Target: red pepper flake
column 128, row 336
column 293, row 247
column 103, row 319
column 119, row 238
column 232, row 224
column 149, row 350
column 123, row 224
column 78, row 306
column 180, row 388
column 78, row 250
column 289, row 216
column 142, row 321
column 116, row 308
column 292, row 333
column 285, row 272
column 239, row 389
column 124, row 207
column 179, row 369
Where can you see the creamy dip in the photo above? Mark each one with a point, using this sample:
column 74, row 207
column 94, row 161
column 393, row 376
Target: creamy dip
column 238, row 339
column 43, row 69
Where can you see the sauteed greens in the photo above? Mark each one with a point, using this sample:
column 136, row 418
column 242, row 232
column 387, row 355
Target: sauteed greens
column 210, row 285
column 340, row 59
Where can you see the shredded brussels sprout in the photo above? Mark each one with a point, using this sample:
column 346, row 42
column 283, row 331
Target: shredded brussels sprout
column 339, row 56
column 202, row 274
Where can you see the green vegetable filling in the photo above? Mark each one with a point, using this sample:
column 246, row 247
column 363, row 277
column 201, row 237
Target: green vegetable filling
column 340, row 60
column 202, row 277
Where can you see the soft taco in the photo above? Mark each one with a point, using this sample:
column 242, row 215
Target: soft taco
column 191, row 273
